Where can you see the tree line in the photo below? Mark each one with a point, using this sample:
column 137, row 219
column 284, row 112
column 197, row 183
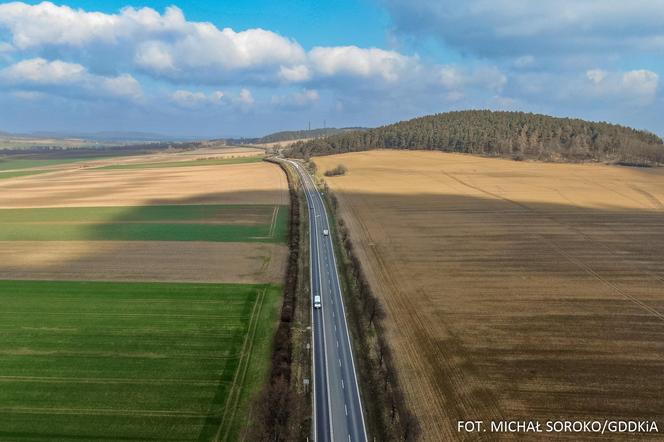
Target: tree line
column 516, row 135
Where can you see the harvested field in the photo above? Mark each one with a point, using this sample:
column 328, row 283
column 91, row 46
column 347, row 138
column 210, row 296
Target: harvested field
column 131, row 361
column 143, row 261
column 188, row 163
column 254, row 183
column 513, row 290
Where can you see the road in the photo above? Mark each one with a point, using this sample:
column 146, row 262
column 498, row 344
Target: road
column 338, row 413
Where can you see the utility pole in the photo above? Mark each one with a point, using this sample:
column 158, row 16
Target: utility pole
column 309, row 124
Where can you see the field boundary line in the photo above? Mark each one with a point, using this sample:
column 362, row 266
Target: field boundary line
column 64, row 380
column 103, row 412
column 241, row 372
column 273, row 221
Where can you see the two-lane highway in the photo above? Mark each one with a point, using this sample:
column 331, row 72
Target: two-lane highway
column 338, row 414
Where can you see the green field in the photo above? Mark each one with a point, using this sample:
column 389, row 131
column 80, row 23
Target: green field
column 131, row 361
column 218, row 223
column 28, row 163
column 20, row 173
column 188, row 163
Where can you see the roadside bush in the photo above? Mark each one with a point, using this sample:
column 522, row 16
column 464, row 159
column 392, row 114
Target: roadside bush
column 337, row 171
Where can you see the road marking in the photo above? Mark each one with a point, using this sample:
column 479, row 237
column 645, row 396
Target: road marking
column 340, row 366
column 342, row 384
column 346, row 408
column 337, row 343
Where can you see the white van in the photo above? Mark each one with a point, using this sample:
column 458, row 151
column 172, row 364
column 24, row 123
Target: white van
column 326, row 232
column 317, row 303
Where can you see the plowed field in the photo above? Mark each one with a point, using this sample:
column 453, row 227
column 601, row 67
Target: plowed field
column 513, row 290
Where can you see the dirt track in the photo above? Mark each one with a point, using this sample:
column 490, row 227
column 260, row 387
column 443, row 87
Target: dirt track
column 513, row 289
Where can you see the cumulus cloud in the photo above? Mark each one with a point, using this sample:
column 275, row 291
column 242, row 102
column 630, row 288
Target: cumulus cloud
column 68, row 79
column 355, row 61
column 297, row 100
column 168, row 46
column 519, row 28
column 41, row 72
column 597, row 87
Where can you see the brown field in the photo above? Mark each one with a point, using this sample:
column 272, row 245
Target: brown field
column 143, row 261
column 252, row 183
column 237, row 262
column 513, row 290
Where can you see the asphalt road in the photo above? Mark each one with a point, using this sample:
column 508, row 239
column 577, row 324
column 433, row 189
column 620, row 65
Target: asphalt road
column 338, row 414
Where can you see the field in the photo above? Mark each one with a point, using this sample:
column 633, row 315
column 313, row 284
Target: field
column 128, row 360
column 140, row 303
column 146, row 223
column 513, row 290
column 202, row 162
column 240, row 184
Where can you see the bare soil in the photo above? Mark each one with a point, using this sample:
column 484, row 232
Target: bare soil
column 513, row 290
column 143, row 261
column 252, row 183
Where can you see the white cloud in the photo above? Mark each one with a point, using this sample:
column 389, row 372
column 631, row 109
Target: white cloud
column 642, row 83
column 168, row 46
column 295, row 74
column 155, row 56
column 297, row 100
column 42, row 72
column 189, row 99
column 245, row 99
column 351, row 60
column 596, row 75
column 121, row 86
column 68, row 79
column 597, row 88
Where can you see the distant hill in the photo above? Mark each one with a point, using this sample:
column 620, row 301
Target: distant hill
column 300, row 134
column 515, row 135
column 290, row 135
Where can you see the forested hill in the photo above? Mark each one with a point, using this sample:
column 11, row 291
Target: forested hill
column 515, row 135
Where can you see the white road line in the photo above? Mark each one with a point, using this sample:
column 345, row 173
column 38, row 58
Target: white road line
column 342, row 384
column 346, row 408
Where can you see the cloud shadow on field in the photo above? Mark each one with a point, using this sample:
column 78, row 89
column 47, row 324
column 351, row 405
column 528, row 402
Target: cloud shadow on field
column 181, row 240
column 501, row 309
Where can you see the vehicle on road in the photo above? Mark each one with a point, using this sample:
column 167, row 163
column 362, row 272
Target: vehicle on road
column 326, row 232
column 317, row 303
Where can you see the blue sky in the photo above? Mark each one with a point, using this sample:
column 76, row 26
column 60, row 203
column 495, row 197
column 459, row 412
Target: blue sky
column 231, row 68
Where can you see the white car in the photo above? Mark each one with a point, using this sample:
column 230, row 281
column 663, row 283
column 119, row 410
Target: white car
column 317, row 303
column 326, row 232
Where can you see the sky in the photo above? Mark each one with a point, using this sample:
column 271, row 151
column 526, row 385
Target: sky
column 211, row 68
